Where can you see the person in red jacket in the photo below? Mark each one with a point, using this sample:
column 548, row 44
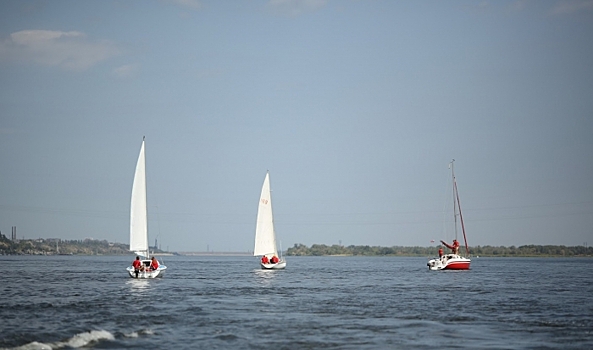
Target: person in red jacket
column 454, row 247
column 137, row 265
column 264, row 260
column 154, row 264
column 274, row 260
column 440, row 252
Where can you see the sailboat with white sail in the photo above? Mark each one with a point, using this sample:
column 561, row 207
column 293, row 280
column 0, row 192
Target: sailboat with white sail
column 265, row 236
column 139, row 223
column 453, row 261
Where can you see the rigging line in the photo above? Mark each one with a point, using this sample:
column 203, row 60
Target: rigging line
column 461, row 218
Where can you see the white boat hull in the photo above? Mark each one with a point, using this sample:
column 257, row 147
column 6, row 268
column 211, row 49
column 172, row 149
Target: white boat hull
column 278, row 266
column 449, row 262
column 146, row 273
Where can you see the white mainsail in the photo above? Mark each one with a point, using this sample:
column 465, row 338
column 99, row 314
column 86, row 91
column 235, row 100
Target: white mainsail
column 265, row 237
column 138, row 214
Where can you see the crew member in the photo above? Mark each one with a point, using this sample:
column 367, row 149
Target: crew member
column 154, row 264
column 137, row 265
column 454, row 247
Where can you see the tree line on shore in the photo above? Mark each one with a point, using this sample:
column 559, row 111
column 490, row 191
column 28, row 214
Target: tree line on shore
column 486, row 251
column 55, row 246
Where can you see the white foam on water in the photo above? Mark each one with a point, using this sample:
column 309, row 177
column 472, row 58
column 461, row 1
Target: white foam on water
column 136, row 334
column 33, row 346
column 77, row 341
column 85, row 338
column 147, row 331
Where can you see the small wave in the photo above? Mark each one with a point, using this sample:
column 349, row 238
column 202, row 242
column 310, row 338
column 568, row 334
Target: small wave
column 86, row 338
column 33, row 346
column 136, row 334
column 77, row 341
column 147, row 331
column 131, row 335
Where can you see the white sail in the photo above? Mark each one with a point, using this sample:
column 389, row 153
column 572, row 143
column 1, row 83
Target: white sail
column 265, row 237
column 138, row 215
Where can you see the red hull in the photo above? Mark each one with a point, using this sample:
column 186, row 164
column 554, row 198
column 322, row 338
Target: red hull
column 461, row 265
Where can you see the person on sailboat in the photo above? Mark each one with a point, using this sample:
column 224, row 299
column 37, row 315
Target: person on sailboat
column 154, row 264
column 137, row 265
column 264, row 260
column 454, row 247
column 274, row 260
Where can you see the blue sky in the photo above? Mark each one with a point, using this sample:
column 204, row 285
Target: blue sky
column 355, row 107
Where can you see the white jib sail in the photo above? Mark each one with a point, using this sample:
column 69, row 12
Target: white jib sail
column 265, row 238
column 138, row 215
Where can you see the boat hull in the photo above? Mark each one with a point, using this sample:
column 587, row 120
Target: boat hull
column 449, row 262
column 147, row 274
column 278, row 266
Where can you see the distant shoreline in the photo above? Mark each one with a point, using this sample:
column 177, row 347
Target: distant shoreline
column 475, row 251
column 240, row 254
column 89, row 247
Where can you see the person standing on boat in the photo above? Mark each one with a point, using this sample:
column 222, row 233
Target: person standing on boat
column 440, row 252
column 154, row 264
column 137, row 265
column 454, row 247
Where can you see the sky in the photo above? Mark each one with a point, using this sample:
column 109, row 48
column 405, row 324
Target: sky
column 356, row 108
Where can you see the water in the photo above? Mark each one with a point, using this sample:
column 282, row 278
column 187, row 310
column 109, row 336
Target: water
column 51, row 302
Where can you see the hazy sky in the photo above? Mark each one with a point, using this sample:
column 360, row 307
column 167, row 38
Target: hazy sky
column 355, row 107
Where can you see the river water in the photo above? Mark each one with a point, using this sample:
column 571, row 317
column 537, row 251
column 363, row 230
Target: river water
column 53, row 302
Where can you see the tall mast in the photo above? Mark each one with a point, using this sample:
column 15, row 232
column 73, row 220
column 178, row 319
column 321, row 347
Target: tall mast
column 146, row 193
column 273, row 229
column 454, row 195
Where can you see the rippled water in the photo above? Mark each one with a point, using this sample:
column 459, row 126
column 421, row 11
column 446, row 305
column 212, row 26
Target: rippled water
column 317, row 302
